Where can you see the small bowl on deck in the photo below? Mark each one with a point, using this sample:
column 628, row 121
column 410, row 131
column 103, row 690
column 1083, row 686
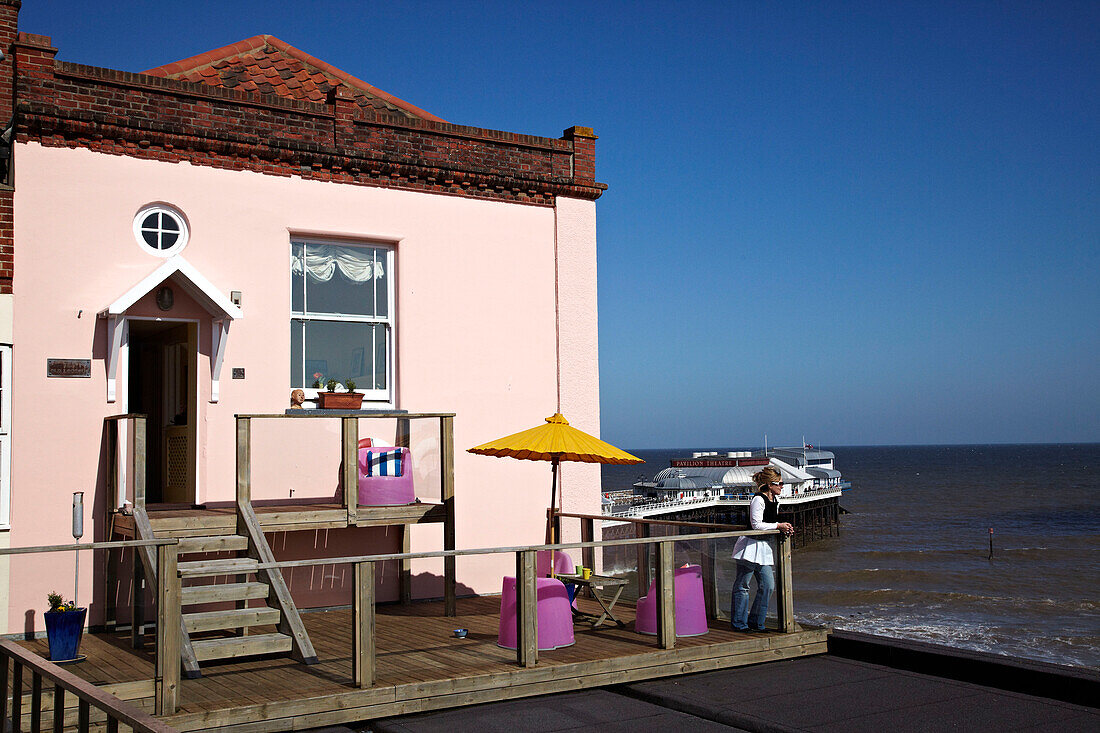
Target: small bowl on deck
column 460, row 633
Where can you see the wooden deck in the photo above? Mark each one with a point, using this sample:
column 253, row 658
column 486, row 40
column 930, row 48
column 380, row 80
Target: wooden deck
column 285, row 517
column 420, row 666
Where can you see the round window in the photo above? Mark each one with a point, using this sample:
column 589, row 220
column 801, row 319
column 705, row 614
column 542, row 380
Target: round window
column 160, row 230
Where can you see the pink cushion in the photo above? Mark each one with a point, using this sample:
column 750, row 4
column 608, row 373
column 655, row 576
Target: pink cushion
column 691, row 611
column 385, row 490
column 555, row 617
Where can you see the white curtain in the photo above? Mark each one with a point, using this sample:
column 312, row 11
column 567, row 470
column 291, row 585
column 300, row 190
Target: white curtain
column 321, row 261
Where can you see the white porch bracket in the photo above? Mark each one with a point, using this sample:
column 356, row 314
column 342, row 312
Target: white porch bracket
column 219, row 335
column 115, row 329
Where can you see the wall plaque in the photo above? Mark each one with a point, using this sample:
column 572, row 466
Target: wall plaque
column 68, row 367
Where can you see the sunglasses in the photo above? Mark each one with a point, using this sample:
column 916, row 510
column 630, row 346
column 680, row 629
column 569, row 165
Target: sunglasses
column 775, row 483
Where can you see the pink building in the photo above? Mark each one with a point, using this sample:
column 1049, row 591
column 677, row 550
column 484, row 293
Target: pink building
column 196, row 241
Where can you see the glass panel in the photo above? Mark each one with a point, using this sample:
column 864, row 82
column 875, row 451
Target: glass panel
column 151, row 221
column 381, row 348
column 297, row 279
column 297, row 371
column 381, row 283
column 167, row 239
column 168, row 224
column 341, row 294
column 343, row 351
column 150, row 239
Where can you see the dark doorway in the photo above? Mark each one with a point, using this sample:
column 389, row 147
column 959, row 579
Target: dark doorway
column 162, row 386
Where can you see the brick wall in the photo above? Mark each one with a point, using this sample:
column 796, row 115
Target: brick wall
column 9, row 17
column 65, row 104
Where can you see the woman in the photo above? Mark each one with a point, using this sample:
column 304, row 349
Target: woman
column 754, row 555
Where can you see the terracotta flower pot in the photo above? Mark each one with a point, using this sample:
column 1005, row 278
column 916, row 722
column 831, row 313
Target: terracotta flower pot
column 340, row 400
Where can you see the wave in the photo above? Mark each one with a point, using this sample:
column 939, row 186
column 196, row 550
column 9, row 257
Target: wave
column 901, row 598
column 1081, row 649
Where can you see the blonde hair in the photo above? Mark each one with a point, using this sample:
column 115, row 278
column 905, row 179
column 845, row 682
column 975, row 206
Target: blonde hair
column 765, row 476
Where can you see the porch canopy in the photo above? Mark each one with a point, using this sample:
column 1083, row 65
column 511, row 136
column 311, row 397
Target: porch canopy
column 221, row 309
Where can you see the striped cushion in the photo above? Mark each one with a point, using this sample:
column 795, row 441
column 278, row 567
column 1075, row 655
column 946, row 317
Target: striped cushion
column 384, row 462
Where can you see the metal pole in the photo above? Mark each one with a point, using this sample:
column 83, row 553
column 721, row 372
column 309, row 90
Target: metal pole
column 78, row 532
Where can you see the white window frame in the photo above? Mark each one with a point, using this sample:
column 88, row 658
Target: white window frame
column 176, row 215
column 377, row 398
column 5, row 437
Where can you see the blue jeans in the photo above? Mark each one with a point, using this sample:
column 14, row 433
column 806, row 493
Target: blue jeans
column 744, row 617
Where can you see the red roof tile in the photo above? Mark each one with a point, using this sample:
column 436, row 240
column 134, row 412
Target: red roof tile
column 271, row 66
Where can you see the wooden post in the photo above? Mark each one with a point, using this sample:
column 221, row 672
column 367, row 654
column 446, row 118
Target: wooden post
column 36, row 701
column 588, row 533
column 3, row 687
column 527, row 630
column 711, row 592
column 16, row 696
column 784, row 599
column 349, row 466
column 138, row 466
column 362, row 648
column 403, row 434
column 642, row 530
column 447, row 496
column 404, row 576
column 167, row 680
column 403, row 439
column 244, row 460
column 137, row 601
column 58, row 709
column 666, row 597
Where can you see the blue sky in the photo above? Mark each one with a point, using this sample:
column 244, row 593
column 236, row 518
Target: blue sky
column 865, row 223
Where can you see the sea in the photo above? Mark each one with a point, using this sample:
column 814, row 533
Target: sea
column 913, row 558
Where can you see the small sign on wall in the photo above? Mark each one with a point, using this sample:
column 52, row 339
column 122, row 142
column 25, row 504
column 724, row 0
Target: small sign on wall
column 80, row 368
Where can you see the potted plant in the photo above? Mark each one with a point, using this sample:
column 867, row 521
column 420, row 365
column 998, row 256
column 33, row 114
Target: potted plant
column 64, row 628
column 330, row 399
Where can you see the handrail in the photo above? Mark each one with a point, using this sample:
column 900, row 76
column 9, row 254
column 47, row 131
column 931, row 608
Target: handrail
column 199, row 572
column 124, row 416
column 635, row 520
column 88, row 546
column 64, row 681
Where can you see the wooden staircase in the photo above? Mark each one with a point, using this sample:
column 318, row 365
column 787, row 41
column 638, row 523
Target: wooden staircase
column 207, row 635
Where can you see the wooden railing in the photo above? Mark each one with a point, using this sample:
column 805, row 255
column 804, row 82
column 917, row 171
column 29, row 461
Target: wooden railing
column 169, row 579
column 363, row 609
column 166, row 675
column 349, row 478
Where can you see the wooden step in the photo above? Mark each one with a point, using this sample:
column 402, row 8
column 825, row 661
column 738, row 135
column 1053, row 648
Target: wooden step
column 191, row 594
column 220, row 543
column 234, row 618
column 241, row 646
column 221, row 566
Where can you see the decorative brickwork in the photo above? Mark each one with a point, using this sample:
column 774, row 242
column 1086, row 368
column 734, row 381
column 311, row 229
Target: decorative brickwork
column 65, row 104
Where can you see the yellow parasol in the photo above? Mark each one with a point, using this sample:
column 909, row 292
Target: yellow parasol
column 555, row 441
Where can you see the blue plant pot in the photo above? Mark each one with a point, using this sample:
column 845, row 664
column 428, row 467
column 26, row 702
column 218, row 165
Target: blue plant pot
column 64, row 630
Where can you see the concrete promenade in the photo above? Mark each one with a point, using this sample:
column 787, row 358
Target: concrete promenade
column 864, row 683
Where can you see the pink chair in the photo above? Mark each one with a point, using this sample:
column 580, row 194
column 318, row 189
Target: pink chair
column 555, row 617
column 691, row 611
column 385, row 475
column 562, row 563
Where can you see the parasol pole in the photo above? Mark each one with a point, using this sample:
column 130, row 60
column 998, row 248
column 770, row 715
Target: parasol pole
column 550, row 515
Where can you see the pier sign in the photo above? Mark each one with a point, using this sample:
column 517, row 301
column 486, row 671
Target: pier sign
column 78, row 368
column 716, row 462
